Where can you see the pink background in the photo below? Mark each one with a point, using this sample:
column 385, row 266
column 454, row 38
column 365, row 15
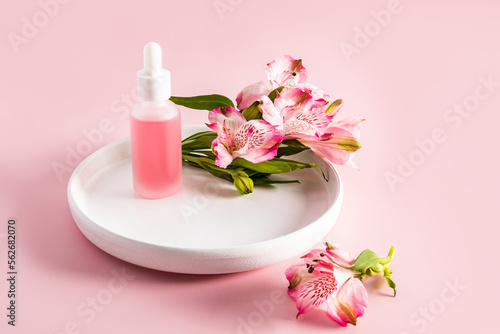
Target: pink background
column 405, row 78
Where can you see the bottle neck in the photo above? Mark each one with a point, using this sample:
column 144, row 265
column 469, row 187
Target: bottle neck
column 153, row 88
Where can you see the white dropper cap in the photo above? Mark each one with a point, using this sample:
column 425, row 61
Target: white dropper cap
column 153, row 81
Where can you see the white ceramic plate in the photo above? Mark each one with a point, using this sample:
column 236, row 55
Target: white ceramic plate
column 207, row 228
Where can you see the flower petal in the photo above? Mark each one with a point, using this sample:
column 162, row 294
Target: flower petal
column 251, row 93
column 319, row 259
column 315, row 291
column 300, row 117
column 284, row 69
column 294, row 97
column 223, row 157
column 328, row 150
column 228, row 117
column 261, row 155
column 310, row 288
column 341, row 146
column 317, row 94
column 295, row 273
column 348, row 127
column 341, row 257
column 349, row 303
column 225, row 121
column 257, row 141
column 269, row 111
column 306, row 122
column 333, row 108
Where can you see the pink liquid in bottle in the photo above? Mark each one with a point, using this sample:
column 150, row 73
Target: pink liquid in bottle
column 155, row 132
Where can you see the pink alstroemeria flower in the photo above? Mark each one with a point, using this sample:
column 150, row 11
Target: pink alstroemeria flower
column 294, row 111
column 283, row 71
column 255, row 140
column 307, row 118
column 317, row 280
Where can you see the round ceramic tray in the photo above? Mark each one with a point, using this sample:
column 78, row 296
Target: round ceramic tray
column 207, row 228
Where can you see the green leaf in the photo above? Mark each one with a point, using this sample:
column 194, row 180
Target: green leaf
column 203, row 102
column 391, row 283
column 198, row 154
column 367, row 259
column 199, row 135
column 202, row 140
column 204, row 143
column 290, row 147
column 289, row 150
column 265, row 180
column 253, row 174
column 218, row 174
column 293, row 142
column 194, row 164
column 274, row 166
column 274, row 93
column 216, row 171
column 208, row 154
